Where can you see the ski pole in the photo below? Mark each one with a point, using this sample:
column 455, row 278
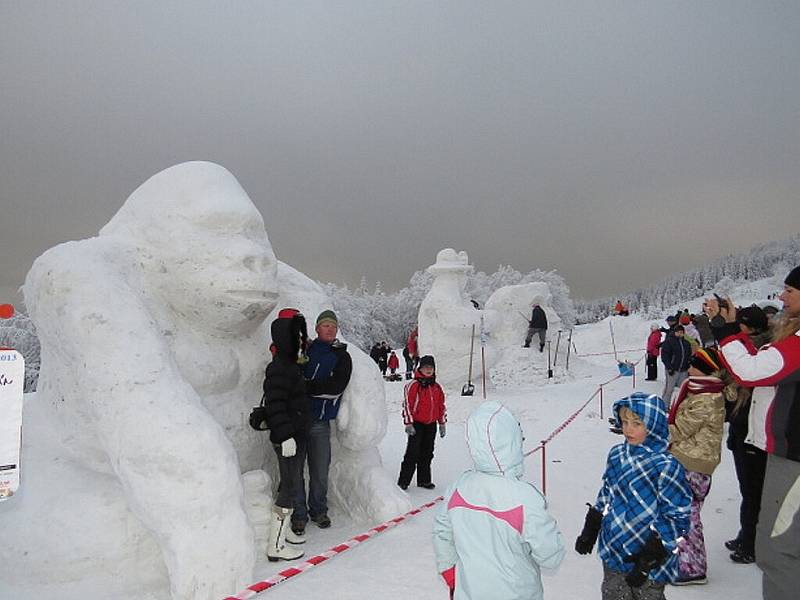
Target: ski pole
column 613, row 343
column 468, row 388
column 549, row 368
column 558, row 342
column 569, row 347
column 483, row 357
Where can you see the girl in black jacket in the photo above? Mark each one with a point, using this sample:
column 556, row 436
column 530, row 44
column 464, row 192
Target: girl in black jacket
column 288, row 417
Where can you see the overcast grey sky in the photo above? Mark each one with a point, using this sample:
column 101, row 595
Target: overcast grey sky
column 615, row 141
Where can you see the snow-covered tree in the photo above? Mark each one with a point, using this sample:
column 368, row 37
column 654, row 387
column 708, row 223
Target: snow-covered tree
column 773, row 259
column 366, row 317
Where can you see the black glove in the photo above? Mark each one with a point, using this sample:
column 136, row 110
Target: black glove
column 591, row 528
column 311, row 387
column 648, row 558
column 671, row 372
column 258, row 418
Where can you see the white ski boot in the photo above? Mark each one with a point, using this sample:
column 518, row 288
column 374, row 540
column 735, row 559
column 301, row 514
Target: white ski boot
column 281, row 526
column 295, row 538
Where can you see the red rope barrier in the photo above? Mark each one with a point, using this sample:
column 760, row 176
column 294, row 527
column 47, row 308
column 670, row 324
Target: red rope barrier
column 610, row 353
column 262, row 586
column 570, row 419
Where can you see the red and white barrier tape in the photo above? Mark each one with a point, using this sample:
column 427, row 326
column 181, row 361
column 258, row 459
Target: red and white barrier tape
column 578, row 354
column 570, row 419
column 566, row 423
column 256, row 588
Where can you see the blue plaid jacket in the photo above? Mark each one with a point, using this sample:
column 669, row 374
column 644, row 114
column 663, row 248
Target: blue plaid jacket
column 644, row 491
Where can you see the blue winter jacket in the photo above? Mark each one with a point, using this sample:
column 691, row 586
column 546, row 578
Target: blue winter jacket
column 327, row 374
column 493, row 526
column 644, row 491
column 676, row 353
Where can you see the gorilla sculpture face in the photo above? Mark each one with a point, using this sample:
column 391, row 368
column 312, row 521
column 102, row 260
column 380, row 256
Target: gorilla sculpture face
column 222, row 272
column 223, row 275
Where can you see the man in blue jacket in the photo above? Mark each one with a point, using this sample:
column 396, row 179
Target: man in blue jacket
column 676, row 353
column 327, row 374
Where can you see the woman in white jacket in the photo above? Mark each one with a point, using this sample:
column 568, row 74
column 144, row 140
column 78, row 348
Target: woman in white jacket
column 493, row 533
column 776, row 364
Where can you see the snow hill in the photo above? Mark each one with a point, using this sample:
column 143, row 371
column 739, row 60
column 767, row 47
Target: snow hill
column 399, row 564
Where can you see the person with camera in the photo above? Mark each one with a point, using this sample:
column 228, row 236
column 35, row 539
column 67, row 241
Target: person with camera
column 775, row 364
column 746, row 440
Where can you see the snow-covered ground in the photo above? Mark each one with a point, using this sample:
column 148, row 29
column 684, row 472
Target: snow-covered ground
column 399, row 563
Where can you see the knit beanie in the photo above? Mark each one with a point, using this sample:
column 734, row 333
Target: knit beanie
column 705, row 360
column 793, row 278
column 426, row 361
column 754, row 317
column 685, row 320
column 327, row 315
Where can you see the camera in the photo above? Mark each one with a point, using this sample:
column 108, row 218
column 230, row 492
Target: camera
column 722, row 302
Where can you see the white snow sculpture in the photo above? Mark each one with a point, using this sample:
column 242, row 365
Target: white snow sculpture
column 446, row 318
column 512, row 306
column 508, row 309
column 153, row 351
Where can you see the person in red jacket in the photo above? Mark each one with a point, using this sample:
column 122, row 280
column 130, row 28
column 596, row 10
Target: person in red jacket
column 653, row 345
column 393, row 363
column 423, row 409
column 413, row 351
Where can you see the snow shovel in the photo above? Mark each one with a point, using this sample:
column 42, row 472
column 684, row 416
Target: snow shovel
column 468, row 388
column 483, row 358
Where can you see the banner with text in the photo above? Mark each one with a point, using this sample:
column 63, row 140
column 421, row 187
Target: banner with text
column 12, row 380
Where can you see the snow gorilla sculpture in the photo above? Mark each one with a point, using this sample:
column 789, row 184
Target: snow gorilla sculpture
column 153, row 352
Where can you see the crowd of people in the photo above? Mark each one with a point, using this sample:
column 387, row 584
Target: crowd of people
column 386, row 358
column 739, row 365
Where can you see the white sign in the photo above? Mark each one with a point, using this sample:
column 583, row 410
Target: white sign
column 12, row 380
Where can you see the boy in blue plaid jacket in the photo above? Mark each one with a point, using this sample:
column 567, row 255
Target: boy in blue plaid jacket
column 643, row 507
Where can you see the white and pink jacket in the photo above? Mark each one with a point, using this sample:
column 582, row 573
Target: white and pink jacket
column 493, row 534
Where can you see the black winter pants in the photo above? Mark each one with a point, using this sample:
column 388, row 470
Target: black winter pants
column 419, row 454
column 615, row 587
column 751, row 465
column 652, row 367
